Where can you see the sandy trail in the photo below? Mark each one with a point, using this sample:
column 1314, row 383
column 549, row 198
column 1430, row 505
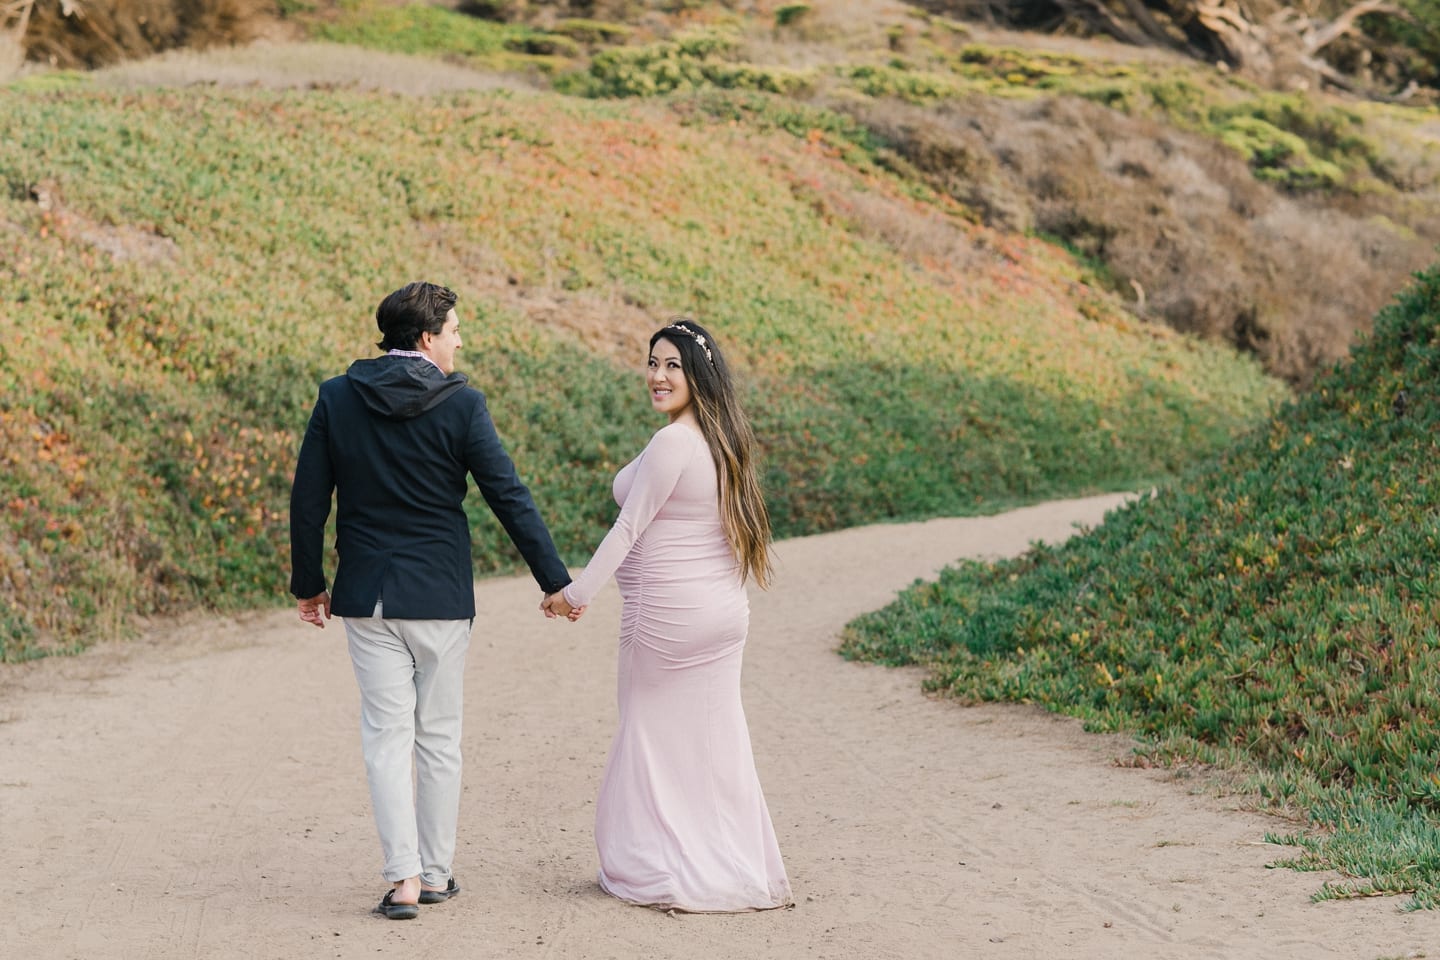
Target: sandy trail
column 201, row 794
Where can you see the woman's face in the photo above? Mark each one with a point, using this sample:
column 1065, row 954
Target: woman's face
column 669, row 392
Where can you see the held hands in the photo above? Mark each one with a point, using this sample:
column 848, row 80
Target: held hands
column 554, row 605
column 311, row 610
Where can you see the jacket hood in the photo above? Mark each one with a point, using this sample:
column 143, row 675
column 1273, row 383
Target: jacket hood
column 400, row 388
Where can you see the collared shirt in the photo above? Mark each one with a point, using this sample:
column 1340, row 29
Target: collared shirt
column 414, row 353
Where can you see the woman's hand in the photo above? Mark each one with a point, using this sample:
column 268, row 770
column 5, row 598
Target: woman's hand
column 554, row 605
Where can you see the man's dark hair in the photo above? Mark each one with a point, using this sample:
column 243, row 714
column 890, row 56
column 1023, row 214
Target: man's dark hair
column 413, row 309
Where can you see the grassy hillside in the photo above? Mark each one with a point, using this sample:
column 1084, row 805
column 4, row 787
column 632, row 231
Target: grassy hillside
column 1277, row 221
column 183, row 267
column 1274, row 220
column 1273, row 611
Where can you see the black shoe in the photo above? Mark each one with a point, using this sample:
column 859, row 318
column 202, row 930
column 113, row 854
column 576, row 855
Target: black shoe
column 397, row 911
column 440, row 896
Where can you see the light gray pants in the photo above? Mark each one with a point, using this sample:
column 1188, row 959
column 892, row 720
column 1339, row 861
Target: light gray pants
column 411, row 675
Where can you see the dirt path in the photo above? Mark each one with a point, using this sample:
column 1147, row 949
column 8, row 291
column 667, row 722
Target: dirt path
column 201, row 795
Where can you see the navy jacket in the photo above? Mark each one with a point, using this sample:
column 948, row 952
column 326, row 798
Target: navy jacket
column 394, row 438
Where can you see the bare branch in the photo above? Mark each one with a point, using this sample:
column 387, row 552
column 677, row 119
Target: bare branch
column 1330, row 74
column 1152, row 27
column 1095, row 12
column 15, row 16
column 1248, row 44
column 1222, row 19
column 1322, row 37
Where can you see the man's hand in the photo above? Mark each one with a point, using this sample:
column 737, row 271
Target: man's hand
column 554, row 605
column 311, row 610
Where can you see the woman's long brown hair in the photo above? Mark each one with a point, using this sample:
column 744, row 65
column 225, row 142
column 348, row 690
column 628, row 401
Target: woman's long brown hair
column 732, row 443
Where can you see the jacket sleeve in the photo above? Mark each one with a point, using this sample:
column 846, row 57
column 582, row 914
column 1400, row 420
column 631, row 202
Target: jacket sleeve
column 310, row 506
column 509, row 499
column 661, row 463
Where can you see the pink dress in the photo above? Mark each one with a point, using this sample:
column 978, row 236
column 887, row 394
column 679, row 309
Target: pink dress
column 680, row 821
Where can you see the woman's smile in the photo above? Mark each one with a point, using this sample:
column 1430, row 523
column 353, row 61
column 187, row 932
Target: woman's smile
column 665, row 376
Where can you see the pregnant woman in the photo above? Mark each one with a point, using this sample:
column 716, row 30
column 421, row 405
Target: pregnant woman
column 681, row 822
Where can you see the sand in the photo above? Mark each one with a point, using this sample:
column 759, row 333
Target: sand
column 200, row 793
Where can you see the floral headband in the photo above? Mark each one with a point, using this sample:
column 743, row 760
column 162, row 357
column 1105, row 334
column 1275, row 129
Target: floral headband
column 696, row 337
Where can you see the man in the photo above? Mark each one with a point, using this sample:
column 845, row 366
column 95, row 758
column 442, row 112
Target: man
column 394, row 438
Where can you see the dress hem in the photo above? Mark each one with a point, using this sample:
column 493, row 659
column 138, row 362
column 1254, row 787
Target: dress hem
column 667, row 906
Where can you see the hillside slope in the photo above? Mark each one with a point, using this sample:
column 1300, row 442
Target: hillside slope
column 1274, row 610
column 1274, row 219
column 186, row 264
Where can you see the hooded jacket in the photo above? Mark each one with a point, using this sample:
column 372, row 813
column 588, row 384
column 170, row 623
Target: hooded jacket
column 393, row 439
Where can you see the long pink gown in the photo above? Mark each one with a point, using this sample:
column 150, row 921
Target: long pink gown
column 680, row 821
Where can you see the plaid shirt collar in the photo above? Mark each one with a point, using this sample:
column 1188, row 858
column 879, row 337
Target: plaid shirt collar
column 414, row 353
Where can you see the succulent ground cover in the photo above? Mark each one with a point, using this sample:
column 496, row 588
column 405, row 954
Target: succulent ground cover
column 1272, row 611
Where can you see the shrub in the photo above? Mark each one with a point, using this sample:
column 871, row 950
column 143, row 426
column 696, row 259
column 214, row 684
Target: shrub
column 693, row 61
column 108, row 31
column 911, row 86
column 1279, row 156
column 593, row 33
column 1177, row 220
column 544, row 45
column 791, row 13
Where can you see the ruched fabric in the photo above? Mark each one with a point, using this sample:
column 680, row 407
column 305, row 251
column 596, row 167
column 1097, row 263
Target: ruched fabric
column 680, row 821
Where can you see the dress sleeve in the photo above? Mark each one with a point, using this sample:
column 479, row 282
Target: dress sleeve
column 661, row 463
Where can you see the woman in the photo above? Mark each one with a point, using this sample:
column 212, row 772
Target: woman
column 681, row 822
